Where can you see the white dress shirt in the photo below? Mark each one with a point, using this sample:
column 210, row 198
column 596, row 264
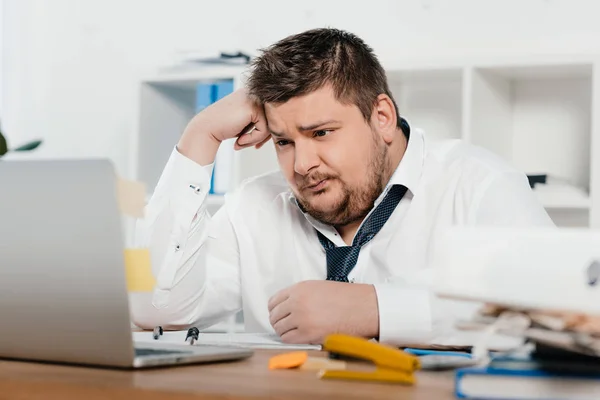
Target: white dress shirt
column 209, row 267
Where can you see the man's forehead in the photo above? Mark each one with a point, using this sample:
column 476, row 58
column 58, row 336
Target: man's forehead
column 306, row 101
column 306, row 110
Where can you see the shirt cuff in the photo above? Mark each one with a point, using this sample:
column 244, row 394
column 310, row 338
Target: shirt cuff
column 183, row 186
column 181, row 172
column 404, row 314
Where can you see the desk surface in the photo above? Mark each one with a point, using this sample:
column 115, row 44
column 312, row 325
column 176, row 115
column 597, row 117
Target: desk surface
column 245, row 379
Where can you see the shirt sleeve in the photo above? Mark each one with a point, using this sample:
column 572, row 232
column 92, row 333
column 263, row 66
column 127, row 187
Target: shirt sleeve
column 409, row 312
column 506, row 199
column 404, row 313
column 195, row 257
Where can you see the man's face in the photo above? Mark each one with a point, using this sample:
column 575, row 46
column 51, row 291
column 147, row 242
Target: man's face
column 333, row 160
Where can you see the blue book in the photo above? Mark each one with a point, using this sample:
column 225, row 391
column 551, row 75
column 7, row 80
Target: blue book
column 525, row 381
column 207, row 94
column 587, row 366
column 223, row 89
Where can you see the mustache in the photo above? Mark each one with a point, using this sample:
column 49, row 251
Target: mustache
column 313, row 179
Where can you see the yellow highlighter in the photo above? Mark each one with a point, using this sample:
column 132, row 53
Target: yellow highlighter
column 392, row 365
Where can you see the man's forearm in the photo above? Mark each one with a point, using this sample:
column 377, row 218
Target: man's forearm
column 364, row 320
column 198, row 144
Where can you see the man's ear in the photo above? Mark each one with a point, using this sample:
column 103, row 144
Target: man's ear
column 384, row 116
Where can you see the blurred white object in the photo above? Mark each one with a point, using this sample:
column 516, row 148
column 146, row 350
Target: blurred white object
column 549, row 269
column 560, row 193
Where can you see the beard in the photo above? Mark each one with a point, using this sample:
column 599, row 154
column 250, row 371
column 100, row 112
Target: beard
column 354, row 203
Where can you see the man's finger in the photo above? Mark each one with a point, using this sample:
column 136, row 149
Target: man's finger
column 253, row 138
column 258, row 146
column 279, row 312
column 279, row 297
column 260, row 123
column 293, row 337
column 248, row 137
column 284, row 325
column 239, row 146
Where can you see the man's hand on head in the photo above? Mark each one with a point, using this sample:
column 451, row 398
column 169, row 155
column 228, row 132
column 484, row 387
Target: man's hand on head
column 309, row 311
column 234, row 116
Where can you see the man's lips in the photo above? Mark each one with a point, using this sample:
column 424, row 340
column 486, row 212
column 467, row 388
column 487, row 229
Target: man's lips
column 317, row 185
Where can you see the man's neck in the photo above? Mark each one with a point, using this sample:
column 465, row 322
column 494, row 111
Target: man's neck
column 396, row 151
column 347, row 232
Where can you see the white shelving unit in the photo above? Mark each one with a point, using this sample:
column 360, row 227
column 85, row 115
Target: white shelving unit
column 538, row 113
column 541, row 122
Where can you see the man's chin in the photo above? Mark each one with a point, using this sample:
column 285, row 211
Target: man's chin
column 326, row 213
column 321, row 204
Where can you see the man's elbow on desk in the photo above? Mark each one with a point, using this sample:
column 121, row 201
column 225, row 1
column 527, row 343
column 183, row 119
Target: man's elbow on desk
column 145, row 315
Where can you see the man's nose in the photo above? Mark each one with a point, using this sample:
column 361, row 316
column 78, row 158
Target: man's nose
column 305, row 157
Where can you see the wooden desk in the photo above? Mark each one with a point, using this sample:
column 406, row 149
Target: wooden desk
column 233, row 380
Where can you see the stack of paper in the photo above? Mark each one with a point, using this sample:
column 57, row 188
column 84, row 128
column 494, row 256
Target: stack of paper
column 240, row 340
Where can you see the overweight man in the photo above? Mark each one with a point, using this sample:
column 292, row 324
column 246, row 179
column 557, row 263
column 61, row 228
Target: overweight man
column 340, row 238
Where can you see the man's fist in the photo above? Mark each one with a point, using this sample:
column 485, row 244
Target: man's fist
column 309, row 311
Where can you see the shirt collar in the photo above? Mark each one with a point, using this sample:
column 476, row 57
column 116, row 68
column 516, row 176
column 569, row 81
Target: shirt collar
column 408, row 172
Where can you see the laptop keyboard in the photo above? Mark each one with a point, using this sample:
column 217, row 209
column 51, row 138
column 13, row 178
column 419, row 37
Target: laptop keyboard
column 140, row 352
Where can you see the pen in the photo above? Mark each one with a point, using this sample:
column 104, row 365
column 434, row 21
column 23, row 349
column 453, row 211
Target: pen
column 424, row 352
column 157, row 332
column 192, row 334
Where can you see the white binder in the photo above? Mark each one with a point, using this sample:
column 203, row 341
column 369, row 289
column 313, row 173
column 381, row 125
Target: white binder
column 539, row 268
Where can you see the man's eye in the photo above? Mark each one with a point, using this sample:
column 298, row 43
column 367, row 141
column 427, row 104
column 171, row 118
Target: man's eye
column 282, row 142
column 322, row 132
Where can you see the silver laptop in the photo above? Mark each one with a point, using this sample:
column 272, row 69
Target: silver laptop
column 63, row 295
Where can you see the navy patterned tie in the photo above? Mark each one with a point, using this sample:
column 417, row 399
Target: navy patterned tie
column 341, row 260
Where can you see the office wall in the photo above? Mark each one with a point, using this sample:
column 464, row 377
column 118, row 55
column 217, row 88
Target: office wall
column 71, row 66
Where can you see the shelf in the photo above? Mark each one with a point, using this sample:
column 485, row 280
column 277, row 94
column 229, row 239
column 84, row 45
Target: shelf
column 542, row 71
column 189, row 77
column 562, row 196
column 404, row 75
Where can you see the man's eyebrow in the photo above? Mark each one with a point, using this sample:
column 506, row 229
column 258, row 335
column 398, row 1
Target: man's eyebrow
column 305, row 128
column 276, row 134
column 317, row 125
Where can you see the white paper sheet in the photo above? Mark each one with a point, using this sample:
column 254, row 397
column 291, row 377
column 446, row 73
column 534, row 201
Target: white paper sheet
column 240, row 340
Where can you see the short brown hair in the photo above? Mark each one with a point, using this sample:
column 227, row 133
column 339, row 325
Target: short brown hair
column 302, row 63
